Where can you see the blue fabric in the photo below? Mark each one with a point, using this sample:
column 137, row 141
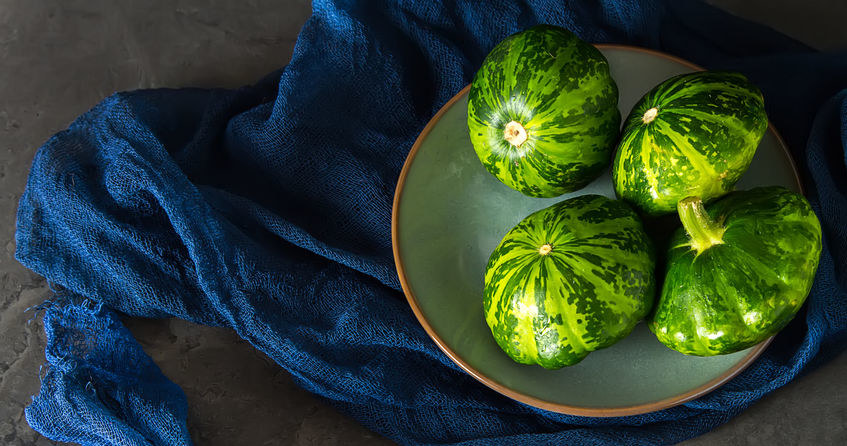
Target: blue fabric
column 267, row 209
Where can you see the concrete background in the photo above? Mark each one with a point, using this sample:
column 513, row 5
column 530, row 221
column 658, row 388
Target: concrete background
column 58, row 58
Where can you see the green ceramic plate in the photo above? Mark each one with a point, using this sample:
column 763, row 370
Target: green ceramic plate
column 449, row 214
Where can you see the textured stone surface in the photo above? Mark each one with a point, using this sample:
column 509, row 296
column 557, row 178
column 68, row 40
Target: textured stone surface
column 60, row 57
column 237, row 395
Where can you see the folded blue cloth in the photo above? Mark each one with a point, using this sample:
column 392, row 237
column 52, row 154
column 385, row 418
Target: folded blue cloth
column 267, row 209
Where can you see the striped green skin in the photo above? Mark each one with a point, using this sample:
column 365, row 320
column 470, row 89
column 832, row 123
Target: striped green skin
column 587, row 293
column 737, row 294
column 702, row 140
column 559, row 88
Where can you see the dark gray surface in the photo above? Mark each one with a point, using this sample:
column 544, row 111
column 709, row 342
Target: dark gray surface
column 58, row 58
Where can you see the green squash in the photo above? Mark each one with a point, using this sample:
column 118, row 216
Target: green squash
column 542, row 112
column 567, row 280
column 692, row 135
column 737, row 272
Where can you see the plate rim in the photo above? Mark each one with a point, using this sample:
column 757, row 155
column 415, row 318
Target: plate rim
column 540, row 403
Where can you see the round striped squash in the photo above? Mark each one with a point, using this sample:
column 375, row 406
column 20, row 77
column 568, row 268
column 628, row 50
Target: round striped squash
column 692, row 135
column 738, row 271
column 567, row 280
column 542, row 112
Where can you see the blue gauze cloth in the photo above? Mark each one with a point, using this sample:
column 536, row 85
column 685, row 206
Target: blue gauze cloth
column 267, row 209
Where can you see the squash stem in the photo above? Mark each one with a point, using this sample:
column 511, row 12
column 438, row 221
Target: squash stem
column 650, row 115
column 702, row 230
column 515, row 133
